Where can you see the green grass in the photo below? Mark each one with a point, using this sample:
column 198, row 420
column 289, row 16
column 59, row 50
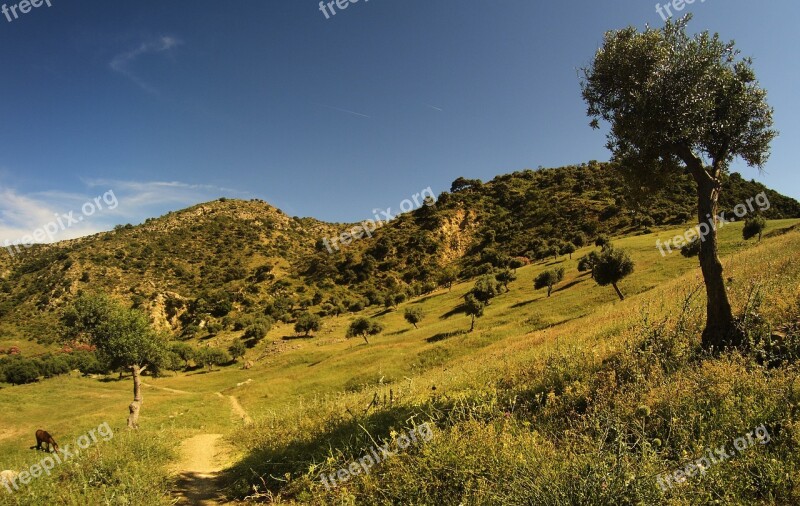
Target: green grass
column 495, row 439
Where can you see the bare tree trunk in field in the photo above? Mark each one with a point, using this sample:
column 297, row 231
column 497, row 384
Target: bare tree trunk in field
column 720, row 331
column 136, row 405
column 621, row 297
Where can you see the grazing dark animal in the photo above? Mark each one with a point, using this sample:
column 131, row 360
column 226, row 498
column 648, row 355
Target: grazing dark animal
column 42, row 436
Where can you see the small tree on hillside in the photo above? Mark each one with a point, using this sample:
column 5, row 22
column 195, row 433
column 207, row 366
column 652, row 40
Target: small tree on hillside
column 587, row 262
column 568, row 249
column 485, row 289
column 602, row 241
column 612, row 266
column 579, row 239
column 448, row 276
column 209, row 357
column 123, row 337
column 474, row 308
column 258, row 330
column 364, row 327
column 754, row 227
column 555, row 249
column 185, row 352
column 307, row 323
column 517, row 262
column 549, row 279
column 505, row 277
column 392, row 300
column 413, row 315
column 237, row 350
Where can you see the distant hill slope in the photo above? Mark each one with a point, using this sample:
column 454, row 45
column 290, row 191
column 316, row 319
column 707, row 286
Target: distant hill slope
column 522, row 214
column 222, row 264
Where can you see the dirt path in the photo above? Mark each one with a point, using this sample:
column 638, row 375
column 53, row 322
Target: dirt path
column 203, row 457
column 171, row 390
column 239, row 411
column 237, row 408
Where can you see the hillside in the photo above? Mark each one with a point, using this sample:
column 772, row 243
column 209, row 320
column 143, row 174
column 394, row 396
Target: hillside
column 553, row 400
column 198, row 260
column 223, row 264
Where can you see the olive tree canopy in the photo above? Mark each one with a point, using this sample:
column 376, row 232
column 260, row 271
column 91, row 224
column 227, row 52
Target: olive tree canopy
column 677, row 102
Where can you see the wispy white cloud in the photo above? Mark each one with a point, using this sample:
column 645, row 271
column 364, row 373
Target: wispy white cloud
column 21, row 214
column 434, row 107
column 123, row 62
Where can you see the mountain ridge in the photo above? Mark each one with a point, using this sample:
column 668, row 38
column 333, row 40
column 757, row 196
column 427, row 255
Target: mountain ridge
column 216, row 264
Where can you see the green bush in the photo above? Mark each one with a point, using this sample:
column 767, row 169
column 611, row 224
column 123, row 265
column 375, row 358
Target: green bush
column 21, row 371
column 307, row 323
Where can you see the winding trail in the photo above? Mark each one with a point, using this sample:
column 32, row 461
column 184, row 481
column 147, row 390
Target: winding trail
column 239, row 411
column 164, row 389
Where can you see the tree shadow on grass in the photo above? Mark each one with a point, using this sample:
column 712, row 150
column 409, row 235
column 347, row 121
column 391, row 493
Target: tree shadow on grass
column 460, row 309
column 204, row 371
column 425, row 298
column 441, row 336
column 199, row 489
column 568, row 285
column 295, row 337
column 114, row 379
column 524, row 303
column 384, row 311
column 398, row 332
column 349, row 436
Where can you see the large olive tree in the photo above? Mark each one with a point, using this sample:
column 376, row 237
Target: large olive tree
column 677, row 102
column 122, row 336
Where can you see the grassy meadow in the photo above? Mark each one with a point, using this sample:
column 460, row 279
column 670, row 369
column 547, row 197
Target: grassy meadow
column 577, row 398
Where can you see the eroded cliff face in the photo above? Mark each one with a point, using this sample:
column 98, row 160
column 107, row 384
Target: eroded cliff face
column 165, row 310
column 457, row 232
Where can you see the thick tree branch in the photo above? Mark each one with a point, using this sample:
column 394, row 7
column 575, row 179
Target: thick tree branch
column 693, row 163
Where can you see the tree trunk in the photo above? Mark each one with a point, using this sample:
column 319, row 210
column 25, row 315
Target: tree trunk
column 472, row 327
column 549, row 290
column 621, row 297
column 365, row 338
column 136, row 405
column 720, row 329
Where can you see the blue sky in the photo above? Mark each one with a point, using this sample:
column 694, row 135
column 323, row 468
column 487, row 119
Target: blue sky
column 173, row 103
